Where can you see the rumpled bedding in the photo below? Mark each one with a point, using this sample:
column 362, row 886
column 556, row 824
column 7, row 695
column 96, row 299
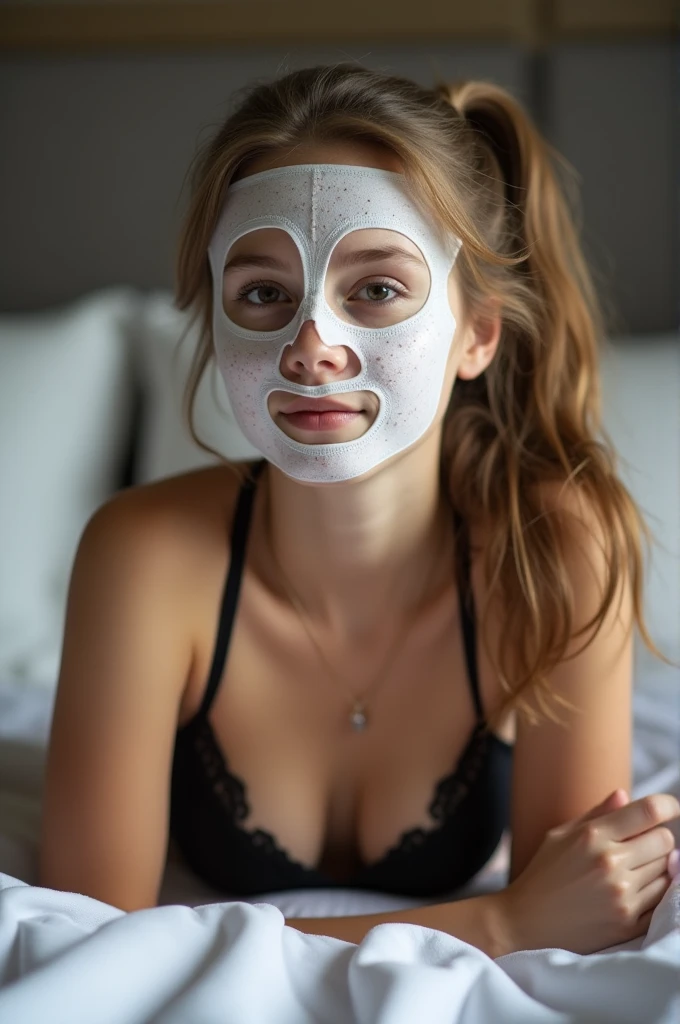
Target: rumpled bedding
column 70, row 959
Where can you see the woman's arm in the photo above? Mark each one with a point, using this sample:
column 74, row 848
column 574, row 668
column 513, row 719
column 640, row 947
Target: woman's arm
column 594, row 882
column 126, row 657
column 481, row 920
column 560, row 771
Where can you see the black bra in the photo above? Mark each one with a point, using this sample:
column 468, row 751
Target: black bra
column 469, row 808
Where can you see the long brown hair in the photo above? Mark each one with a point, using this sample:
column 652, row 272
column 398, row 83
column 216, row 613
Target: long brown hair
column 486, row 174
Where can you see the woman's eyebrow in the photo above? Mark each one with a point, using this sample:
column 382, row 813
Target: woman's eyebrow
column 349, row 259
column 379, row 253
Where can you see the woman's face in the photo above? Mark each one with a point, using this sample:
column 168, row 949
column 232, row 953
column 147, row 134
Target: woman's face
column 376, row 278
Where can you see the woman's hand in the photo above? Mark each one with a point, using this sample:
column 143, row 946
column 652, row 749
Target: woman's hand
column 595, row 881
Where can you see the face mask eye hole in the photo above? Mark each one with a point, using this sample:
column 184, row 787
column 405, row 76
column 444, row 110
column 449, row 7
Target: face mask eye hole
column 376, row 278
column 262, row 280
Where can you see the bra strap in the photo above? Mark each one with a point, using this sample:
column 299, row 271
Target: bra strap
column 466, row 602
column 239, row 538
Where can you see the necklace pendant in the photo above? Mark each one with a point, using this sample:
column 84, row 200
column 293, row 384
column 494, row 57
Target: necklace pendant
column 358, row 718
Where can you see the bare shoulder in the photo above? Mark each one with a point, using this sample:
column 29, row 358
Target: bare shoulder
column 593, row 546
column 580, row 543
column 181, row 518
column 183, row 501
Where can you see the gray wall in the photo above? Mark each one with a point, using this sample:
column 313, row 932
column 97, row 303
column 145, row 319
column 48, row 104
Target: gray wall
column 95, row 149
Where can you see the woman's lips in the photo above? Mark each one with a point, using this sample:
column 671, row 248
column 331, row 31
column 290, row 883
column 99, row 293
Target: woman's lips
column 331, row 420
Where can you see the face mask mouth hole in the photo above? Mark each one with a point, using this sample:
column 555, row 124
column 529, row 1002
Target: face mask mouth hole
column 371, row 415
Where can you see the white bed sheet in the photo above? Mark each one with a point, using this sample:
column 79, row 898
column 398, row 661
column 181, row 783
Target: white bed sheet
column 206, row 956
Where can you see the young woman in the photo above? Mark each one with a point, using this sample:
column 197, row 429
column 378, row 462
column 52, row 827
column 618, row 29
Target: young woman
column 432, row 555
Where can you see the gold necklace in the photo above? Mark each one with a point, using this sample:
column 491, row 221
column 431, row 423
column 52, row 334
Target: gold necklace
column 358, row 717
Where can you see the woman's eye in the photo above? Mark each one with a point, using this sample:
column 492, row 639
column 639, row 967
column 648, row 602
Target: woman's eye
column 379, row 287
column 260, row 288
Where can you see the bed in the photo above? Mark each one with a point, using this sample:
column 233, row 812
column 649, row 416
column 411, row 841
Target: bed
column 90, row 393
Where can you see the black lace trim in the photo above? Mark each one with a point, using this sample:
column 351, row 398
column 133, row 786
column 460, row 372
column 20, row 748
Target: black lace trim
column 230, row 790
column 450, row 791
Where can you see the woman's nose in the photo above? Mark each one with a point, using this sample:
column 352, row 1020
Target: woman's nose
column 309, row 356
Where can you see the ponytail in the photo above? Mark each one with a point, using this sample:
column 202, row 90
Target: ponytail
column 535, row 417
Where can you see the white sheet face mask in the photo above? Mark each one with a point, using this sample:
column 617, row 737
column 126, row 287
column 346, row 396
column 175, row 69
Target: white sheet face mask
column 403, row 363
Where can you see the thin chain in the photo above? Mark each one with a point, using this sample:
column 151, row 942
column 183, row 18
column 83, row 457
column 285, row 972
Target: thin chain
column 359, row 704
column 358, row 716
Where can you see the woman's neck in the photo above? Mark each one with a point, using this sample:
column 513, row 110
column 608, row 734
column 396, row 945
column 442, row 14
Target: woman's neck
column 363, row 552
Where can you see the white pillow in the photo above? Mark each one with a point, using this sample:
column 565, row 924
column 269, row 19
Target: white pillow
column 641, row 411
column 165, row 446
column 65, row 418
